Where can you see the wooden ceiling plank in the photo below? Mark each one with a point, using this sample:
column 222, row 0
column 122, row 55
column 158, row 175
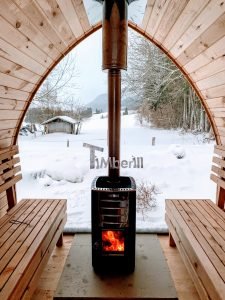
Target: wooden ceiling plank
column 22, row 43
column 219, row 121
column 215, row 102
column 16, row 17
column 17, row 71
column 8, row 124
column 215, row 92
column 214, row 33
column 5, row 143
column 15, row 83
column 10, row 93
column 82, row 14
column 218, row 114
column 147, row 15
column 216, row 109
column 170, row 17
column 222, row 140
column 212, row 81
column 53, row 13
column 221, row 131
column 7, row 133
column 71, row 17
column 186, row 18
column 14, row 55
column 205, row 19
column 158, row 12
column 10, row 114
column 12, row 104
column 214, row 67
column 212, row 53
column 41, row 22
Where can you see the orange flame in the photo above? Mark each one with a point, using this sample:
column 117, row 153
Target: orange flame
column 112, row 240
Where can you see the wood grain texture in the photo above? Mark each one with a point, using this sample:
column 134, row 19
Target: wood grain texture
column 52, row 11
column 186, row 18
column 214, row 33
column 170, row 17
column 204, row 20
column 82, row 14
column 148, row 12
column 35, row 227
column 209, row 55
column 18, row 19
column 200, row 227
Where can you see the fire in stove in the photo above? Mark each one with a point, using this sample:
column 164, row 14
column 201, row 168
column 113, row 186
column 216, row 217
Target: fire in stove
column 112, row 241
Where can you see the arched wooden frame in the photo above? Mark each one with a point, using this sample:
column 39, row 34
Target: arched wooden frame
column 138, row 29
column 135, row 27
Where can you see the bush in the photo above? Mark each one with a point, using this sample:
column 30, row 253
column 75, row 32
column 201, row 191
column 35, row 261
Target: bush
column 146, row 197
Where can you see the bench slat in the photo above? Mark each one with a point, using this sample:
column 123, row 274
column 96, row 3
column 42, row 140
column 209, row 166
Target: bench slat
column 11, row 212
column 213, row 214
column 10, row 183
column 9, row 152
column 219, row 150
column 217, row 180
column 210, row 240
column 36, row 244
column 199, row 259
column 20, row 233
column 189, row 265
column 9, row 174
column 32, row 284
column 218, row 171
column 28, row 234
column 219, row 161
column 9, row 164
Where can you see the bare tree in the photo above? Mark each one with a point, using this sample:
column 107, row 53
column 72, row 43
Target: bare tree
column 57, row 90
column 163, row 95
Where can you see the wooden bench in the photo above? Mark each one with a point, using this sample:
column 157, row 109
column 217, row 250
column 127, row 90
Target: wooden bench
column 197, row 228
column 29, row 231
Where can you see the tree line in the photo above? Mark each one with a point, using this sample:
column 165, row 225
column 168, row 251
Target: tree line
column 164, row 98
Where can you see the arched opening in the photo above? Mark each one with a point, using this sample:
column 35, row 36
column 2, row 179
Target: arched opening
column 146, row 35
column 158, row 161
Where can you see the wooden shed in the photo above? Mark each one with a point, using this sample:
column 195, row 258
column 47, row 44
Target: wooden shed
column 34, row 37
column 62, row 124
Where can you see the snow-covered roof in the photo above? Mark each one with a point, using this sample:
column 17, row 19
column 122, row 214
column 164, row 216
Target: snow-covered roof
column 63, row 118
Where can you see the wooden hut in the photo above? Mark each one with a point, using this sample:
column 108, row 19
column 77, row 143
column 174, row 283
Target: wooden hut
column 62, row 124
column 34, row 37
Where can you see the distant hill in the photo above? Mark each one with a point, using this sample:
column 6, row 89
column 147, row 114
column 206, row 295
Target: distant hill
column 101, row 103
column 130, row 103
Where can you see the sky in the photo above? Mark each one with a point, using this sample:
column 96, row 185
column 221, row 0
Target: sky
column 91, row 79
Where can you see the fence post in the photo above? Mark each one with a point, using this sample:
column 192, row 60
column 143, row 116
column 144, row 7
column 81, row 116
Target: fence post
column 153, row 141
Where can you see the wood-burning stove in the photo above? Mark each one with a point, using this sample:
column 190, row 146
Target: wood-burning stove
column 113, row 224
column 114, row 196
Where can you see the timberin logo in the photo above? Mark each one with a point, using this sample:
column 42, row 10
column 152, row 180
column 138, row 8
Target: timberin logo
column 96, row 163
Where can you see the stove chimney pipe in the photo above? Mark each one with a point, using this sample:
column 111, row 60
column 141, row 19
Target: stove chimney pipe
column 115, row 40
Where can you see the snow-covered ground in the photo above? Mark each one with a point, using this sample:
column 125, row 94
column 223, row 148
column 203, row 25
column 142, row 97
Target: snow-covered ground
column 53, row 170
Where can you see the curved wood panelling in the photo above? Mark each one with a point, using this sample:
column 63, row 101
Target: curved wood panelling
column 36, row 35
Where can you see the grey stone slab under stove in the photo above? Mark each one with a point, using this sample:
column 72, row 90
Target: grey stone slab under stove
column 150, row 280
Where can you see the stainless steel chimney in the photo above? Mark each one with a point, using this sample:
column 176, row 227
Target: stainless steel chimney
column 114, row 48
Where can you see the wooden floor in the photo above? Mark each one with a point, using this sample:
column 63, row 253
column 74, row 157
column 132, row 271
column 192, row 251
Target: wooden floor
column 52, row 272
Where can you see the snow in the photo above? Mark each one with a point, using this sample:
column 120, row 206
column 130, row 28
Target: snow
column 53, row 170
column 64, row 118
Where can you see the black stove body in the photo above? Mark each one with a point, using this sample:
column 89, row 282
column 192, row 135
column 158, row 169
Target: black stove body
column 113, row 224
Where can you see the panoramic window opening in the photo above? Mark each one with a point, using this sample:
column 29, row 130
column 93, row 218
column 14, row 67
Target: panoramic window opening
column 166, row 138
